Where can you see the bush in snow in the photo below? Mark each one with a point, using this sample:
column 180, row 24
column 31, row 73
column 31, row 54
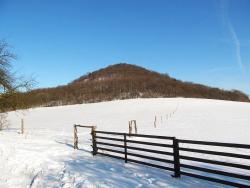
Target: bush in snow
column 3, row 121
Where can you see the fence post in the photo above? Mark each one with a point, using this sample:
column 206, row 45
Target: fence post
column 94, row 146
column 129, row 128
column 135, row 127
column 75, row 138
column 155, row 122
column 125, row 147
column 22, row 126
column 177, row 172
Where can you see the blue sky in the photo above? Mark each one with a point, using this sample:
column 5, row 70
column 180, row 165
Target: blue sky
column 207, row 42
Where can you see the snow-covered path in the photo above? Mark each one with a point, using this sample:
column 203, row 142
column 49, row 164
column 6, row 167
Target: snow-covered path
column 35, row 161
column 44, row 156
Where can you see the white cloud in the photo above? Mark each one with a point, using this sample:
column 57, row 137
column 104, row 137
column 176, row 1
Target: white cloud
column 233, row 35
column 236, row 42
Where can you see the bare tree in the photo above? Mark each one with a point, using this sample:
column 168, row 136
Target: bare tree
column 6, row 57
column 11, row 87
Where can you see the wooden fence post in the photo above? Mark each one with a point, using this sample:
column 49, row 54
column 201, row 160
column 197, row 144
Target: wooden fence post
column 135, row 127
column 155, row 122
column 125, row 147
column 75, row 138
column 94, row 146
column 177, row 172
column 22, row 126
column 130, row 127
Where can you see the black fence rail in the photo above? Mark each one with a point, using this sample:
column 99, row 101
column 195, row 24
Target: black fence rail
column 127, row 148
column 177, row 156
column 241, row 180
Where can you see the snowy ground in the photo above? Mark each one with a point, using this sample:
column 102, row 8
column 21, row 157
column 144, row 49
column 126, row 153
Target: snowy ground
column 44, row 157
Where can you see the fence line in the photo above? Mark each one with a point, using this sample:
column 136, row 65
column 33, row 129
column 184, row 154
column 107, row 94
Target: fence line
column 101, row 139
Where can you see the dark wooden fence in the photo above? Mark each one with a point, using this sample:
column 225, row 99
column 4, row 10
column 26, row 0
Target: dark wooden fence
column 76, row 130
column 176, row 156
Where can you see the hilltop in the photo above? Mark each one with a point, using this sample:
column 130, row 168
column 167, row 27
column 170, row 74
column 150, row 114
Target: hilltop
column 126, row 81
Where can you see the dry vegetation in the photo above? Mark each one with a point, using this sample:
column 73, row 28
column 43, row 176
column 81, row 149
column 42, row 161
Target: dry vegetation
column 124, row 81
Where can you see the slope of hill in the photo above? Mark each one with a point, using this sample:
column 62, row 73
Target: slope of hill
column 44, row 155
column 124, row 81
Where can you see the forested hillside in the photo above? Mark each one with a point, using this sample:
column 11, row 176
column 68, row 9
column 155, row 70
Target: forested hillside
column 124, row 81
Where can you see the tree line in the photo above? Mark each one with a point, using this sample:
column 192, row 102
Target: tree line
column 120, row 81
column 124, row 81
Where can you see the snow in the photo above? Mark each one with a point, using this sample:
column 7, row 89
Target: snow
column 44, row 155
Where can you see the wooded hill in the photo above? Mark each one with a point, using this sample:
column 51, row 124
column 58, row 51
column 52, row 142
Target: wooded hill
column 125, row 81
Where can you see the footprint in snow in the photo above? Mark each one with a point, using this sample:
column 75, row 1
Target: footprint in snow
column 151, row 180
column 112, row 169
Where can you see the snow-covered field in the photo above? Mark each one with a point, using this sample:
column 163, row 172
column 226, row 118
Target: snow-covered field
column 44, row 157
